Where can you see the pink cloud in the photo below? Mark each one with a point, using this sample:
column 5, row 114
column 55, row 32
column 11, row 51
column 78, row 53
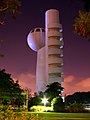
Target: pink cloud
column 27, row 80
column 69, row 79
column 85, row 83
column 73, row 84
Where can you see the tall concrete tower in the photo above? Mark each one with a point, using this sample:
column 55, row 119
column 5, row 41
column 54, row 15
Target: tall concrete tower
column 49, row 46
column 54, row 45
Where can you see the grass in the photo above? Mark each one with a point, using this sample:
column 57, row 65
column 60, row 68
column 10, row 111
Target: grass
column 62, row 116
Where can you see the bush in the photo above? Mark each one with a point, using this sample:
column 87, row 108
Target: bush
column 9, row 114
column 75, row 108
column 58, row 104
column 41, row 109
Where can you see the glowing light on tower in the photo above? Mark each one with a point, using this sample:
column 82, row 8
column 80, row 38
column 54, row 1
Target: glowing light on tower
column 48, row 44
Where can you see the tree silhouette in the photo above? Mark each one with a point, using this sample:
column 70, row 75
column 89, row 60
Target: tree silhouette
column 53, row 90
column 82, row 22
column 8, row 88
column 9, row 6
column 78, row 97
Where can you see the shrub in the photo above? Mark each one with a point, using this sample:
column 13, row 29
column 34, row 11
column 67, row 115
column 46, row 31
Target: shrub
column 7, row 113
column 41, row 109
column 58, row 104
column 75, row 108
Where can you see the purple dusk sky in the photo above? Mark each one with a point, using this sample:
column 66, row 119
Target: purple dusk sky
column 20, row 60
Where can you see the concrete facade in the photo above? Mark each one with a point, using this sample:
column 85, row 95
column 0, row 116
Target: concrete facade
column 48, row 44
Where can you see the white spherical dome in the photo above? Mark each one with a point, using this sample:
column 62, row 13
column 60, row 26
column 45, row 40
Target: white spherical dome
column 36, row 39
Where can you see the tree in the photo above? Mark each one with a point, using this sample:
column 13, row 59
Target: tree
column 53, row 90
column 9, row 90
column 78, row 97
column 34, row 101
column 58, row 104
column 82, row 22
column 82, row 25
column 9, row 6
column 76, row 108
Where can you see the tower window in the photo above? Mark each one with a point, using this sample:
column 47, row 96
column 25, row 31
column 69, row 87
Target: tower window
column 38, row 30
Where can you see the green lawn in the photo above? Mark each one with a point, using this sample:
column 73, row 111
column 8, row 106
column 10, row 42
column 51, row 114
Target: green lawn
column 62, row 116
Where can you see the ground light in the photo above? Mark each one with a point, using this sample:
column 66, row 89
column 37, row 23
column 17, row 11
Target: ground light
column 44, row 101
column 45, row 107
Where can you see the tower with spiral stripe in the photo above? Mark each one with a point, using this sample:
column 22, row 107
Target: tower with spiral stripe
column 48, row 43
column 54, row 46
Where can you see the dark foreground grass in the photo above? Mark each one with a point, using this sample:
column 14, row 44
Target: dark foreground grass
column 62, row 116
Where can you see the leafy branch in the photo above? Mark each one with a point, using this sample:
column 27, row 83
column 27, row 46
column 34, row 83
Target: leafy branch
column 82, row 24
column 9, row 6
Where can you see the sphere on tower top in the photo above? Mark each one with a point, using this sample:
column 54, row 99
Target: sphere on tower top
column 36, row 38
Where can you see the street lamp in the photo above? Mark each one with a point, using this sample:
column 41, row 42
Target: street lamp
column 44, row 100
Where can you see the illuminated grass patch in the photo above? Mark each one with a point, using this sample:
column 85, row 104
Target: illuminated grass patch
column 62, row 116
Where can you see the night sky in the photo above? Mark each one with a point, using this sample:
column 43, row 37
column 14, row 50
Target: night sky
column 20, row 61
